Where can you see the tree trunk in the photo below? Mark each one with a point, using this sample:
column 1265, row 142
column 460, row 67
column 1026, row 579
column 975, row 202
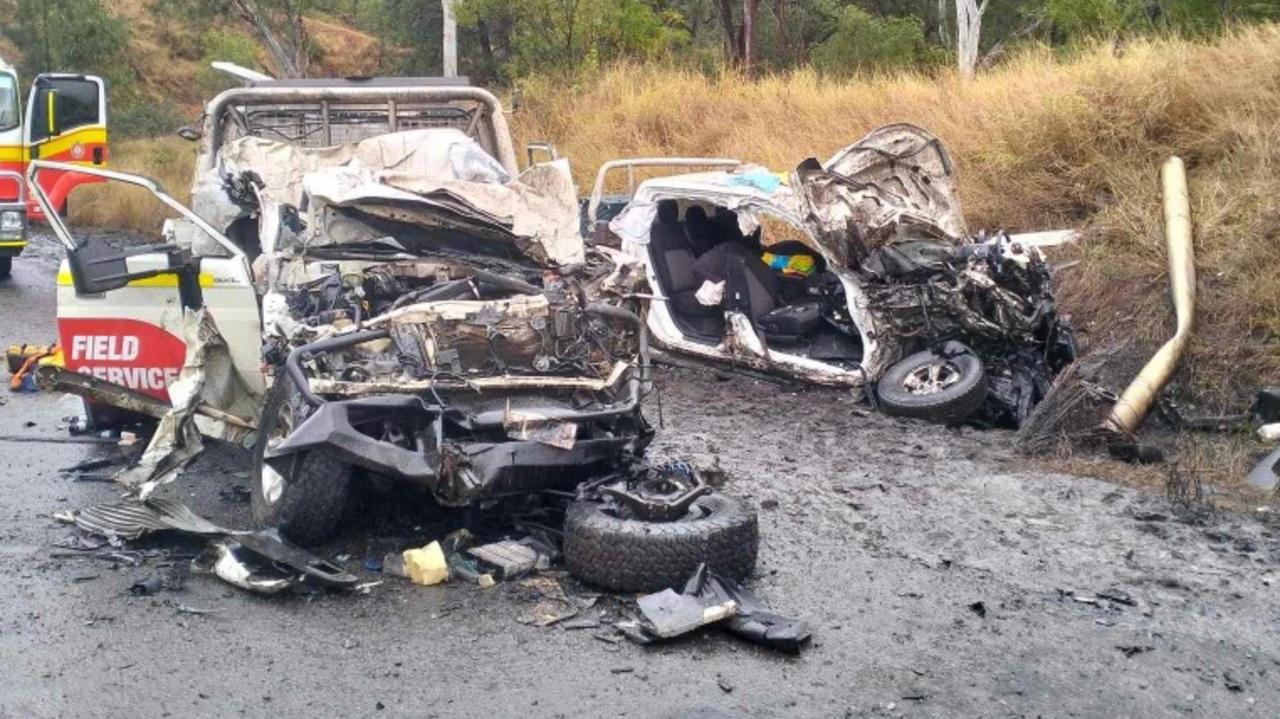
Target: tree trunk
column 449, row 60
column 968, row 34
column 749, row 35
column 287, row 59
column 784, row 38
column 732, row 41
column 944, row 30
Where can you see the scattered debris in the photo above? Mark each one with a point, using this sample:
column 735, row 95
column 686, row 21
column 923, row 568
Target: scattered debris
column 1266, row 474
column 196, row 611
column 259, row 561
column 668, row 614
column 511, row 559
column 426, row 565
column 168, row 578
column 1132, row 650
column 226, row 560
column 554, row 605
column 708, row 598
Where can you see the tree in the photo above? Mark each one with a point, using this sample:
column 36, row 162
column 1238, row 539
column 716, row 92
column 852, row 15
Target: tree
column 749, row 8
column 968, row 35
column 65, row 35
column 863, row 41
column 278, row 23
column 569, row 35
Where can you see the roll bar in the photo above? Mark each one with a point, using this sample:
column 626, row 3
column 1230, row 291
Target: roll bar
column 597, row 191
column 285, row 93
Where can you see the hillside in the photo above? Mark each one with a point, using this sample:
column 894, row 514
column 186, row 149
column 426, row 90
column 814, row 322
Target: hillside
column 168, row 57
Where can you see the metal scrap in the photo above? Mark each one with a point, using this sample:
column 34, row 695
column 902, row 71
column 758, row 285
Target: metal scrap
column 259, row 561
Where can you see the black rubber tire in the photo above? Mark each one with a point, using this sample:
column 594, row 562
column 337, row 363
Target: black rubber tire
column 629, row 555
column 316, row 483
column 948, row 404
column 6, row 267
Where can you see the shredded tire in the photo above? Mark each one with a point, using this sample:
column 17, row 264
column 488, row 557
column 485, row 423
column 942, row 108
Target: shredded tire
column 630, row 555
column 957, row 401
column 317, row 484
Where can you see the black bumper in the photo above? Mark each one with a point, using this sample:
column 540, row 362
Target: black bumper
column 460, row 472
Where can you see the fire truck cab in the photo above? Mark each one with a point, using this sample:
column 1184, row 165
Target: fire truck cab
column 66, row 121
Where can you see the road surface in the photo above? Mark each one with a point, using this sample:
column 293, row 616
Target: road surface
column 941, row 576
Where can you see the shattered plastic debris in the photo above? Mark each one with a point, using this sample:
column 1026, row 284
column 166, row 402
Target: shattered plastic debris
column 227, row 560
column 669, row 614
column 754, row 621
column 707, row 591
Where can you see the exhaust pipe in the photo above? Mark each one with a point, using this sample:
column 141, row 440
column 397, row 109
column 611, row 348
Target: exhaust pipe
column 1136, row 401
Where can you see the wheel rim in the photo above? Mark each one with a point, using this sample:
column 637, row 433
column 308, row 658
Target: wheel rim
column 931, row 378
column 273, row 483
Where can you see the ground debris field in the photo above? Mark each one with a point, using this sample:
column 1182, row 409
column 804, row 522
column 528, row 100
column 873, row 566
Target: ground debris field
column 941, row 576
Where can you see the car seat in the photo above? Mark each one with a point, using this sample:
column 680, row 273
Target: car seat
column 673, row 262
column 752, row 288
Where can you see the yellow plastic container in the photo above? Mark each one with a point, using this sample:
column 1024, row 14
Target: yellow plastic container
column 426, row 566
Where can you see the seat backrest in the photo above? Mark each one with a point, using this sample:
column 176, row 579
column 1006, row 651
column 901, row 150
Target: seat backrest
column 669, row 250
column 750, row 285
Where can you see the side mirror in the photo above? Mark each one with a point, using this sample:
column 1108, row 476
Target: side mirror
column 189, row 133
column 51, row 109
column 97, row 268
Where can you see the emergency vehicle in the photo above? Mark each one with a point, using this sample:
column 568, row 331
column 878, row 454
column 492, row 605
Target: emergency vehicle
column 65, row 121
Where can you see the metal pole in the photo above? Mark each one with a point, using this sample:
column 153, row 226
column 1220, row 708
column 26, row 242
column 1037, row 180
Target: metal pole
column 1133, row 405
column 450, row 64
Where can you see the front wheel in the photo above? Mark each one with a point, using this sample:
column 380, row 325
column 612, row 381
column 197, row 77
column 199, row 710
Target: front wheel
column 303, row 495
column 6, row 266
column 940, row 387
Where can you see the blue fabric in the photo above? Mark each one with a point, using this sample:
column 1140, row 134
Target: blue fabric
column 759, row 179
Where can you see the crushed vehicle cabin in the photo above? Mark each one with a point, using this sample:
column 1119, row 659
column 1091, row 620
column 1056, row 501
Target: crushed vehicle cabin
column 857, row 271
column 368, row 288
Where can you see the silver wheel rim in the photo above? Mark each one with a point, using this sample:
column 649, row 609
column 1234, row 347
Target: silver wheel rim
column 931, row 378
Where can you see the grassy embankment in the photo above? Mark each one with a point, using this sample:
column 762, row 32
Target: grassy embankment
column 1039, row 143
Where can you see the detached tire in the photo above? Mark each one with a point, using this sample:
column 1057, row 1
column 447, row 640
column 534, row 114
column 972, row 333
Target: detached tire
column 630, row 555
column 935, row 387
column 307, row 500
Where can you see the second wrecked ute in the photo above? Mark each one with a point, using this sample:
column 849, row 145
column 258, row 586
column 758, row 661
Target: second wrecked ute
column 857, row 271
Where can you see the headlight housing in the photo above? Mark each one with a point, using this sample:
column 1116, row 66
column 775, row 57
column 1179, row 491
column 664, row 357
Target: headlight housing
column 12, row 222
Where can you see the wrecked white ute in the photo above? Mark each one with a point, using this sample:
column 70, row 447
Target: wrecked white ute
column 860, row 270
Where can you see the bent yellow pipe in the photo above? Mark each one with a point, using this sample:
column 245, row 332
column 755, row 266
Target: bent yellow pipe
column 1134, row 404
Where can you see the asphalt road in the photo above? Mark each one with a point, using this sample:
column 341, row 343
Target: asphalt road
column 941, row 576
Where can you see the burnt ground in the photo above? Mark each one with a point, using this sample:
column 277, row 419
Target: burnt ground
column 942, row 579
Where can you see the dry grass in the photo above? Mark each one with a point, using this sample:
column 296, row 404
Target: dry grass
column 1040, row 143
column 171, row 161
